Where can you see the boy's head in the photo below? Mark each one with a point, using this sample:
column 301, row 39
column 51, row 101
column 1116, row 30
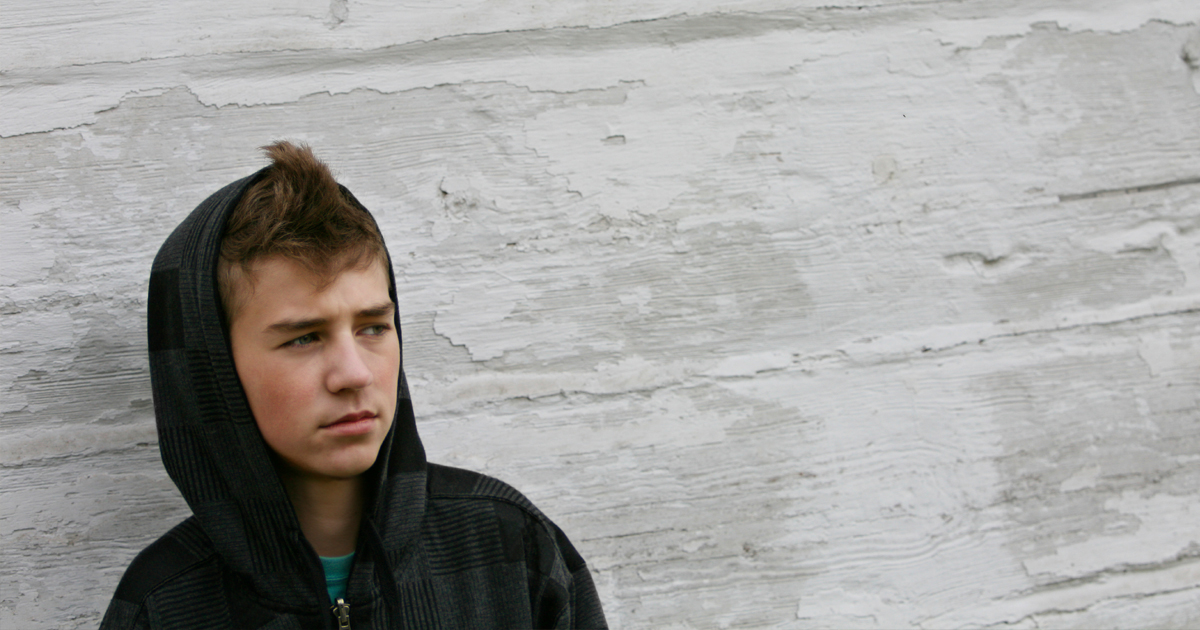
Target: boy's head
column 305, row 288
column 296, row 211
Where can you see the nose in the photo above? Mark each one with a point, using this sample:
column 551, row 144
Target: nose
column 348, row 368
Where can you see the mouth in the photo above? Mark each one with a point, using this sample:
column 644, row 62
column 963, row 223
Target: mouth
column 350, row 420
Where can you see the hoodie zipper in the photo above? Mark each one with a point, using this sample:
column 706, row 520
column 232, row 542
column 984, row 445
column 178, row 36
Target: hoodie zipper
column 341, row 611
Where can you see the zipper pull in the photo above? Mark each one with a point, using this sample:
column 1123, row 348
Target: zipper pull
column 341, row 610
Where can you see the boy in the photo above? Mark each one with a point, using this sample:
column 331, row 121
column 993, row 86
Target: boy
column 285, row 420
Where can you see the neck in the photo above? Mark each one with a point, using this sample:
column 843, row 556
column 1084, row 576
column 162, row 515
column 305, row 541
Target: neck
column 329, row 511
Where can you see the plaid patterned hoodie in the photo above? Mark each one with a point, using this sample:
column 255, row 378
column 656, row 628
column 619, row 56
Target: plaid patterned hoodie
column 438, row 547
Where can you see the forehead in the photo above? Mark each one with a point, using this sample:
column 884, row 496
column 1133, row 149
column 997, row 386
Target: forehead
column 277, row 287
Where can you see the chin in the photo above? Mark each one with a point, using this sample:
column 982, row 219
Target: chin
column 352, row 467
column 344, row 467
column 343, row 471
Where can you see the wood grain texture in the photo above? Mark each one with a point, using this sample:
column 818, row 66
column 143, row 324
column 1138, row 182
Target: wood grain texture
column 790, row 314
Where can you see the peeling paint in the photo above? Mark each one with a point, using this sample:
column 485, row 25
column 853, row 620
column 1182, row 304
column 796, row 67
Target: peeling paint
column 1166, row 531
column 339, row 12
column 791, row 314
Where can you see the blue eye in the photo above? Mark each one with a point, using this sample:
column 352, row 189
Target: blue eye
column 377, row 330
column 303, row 340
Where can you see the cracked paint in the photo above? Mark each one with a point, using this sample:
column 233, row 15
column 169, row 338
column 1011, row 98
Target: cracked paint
column 791, row 314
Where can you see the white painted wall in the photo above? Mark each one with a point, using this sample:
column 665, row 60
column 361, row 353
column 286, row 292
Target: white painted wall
column 791, row 314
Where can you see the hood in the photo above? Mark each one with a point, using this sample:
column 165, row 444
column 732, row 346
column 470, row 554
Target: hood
column 212, row 448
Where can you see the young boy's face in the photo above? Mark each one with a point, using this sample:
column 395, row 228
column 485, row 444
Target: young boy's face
column 320, row 363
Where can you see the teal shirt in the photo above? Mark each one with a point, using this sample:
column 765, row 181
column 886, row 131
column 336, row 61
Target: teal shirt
column 337, row 573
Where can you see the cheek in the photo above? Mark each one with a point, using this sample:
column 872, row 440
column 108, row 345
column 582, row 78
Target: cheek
column 394, row 369
column 389, row 375
column 275, row 401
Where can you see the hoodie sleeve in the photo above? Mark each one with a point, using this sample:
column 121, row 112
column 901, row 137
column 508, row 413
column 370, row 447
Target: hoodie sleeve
column 559, row 585
column 580, row 608
column 177, row 566
column 586, row 611
column 123, row 615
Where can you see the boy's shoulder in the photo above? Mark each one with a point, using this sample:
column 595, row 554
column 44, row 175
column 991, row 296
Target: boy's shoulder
column 183, row 552
column 447, row 482
column 185, row 547
column 520, row 522
column 473, row 520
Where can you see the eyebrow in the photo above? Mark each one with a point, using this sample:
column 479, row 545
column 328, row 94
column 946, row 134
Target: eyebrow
column 296, row 325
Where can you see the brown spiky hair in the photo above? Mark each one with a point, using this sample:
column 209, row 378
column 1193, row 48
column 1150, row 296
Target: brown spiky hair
column 298, row 211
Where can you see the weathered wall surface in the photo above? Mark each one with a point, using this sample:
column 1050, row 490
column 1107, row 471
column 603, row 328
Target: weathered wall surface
column 791, row 314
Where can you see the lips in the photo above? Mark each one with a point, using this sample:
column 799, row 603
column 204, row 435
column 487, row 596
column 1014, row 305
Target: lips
column 350, row 420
